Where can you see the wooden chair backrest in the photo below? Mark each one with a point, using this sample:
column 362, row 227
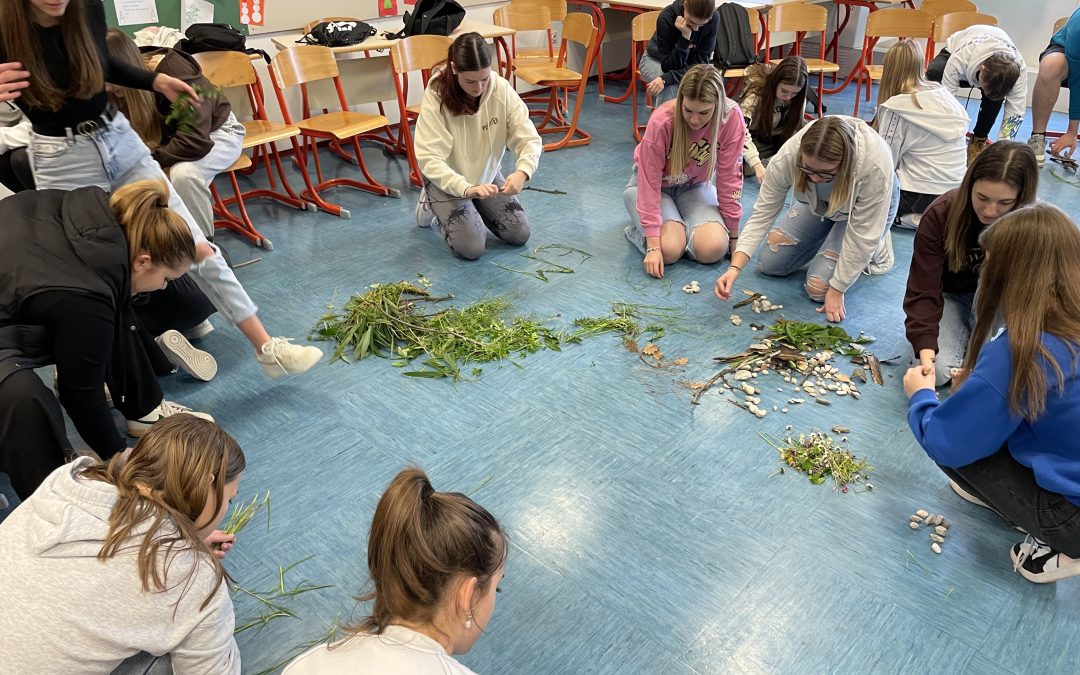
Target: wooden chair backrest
column 235, row 73
column 557, row 8
column 523, row 17
column 797, row 17
column 900, row 22
column 316, row 22
column 939, row 7
column 1060, row 22
column 304, row 63
column 419, row 52
column 578, row 27
column 643, row 26
column 949, row 24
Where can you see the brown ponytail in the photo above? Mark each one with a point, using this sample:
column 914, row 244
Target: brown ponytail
column 142, row 209
column 467, row 53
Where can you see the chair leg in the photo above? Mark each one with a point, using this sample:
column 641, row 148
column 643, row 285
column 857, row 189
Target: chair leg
column 572, row 135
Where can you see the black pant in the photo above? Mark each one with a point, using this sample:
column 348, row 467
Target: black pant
column 1009, row 487
column 15, row 173
column 913, row 202
column 179, row 306
column 988, row 110
column 33, row 440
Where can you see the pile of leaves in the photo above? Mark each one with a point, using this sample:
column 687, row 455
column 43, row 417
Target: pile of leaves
column 819, row 457
column 182, row 111
column 815, row 336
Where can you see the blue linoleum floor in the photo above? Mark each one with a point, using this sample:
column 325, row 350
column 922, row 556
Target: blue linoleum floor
column 648, row 535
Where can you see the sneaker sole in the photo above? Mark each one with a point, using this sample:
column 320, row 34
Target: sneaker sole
column 137, row 429
column 1060, row 573
column 966, row 496
column 183, row 355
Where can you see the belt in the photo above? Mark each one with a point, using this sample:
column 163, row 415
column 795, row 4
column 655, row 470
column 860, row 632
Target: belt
column 84, row 128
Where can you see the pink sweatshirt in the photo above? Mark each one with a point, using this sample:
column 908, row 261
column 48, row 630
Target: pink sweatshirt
column 651, row 156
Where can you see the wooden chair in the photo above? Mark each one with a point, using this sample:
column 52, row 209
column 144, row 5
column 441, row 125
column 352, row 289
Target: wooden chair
column 1058, row 24
column 642, row 28
column 522, row 18
column 941, row 8
column 557, row 10
column 307, row 65
column 578, row 27
column 949, row 24
column 801, row 19
column 893, row 23
column 416, row 53
column 235, row 73
column 731, row 74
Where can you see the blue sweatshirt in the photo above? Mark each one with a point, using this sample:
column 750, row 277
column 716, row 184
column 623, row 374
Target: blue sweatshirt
column 975, row 422
column 1068, row 36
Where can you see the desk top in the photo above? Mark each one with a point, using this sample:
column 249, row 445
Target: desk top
column 760, row 5
column 375, row 42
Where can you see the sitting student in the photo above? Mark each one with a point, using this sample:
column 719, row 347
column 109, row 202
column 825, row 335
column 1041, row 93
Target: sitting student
column 685, row 36
column 845, row 198
column 944, row 275
column 985, row 57
column 107, row 565
column 15, row 173
column 73, row 260
column 435, row 560
column 689, row 144
column 773, row 105
column 925, row 126
column 1059, row 66
column 1007, row 437
column 192, row 156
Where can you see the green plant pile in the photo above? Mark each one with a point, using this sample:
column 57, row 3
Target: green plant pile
column 819, row 457
column 182, row 111
column 815, row 337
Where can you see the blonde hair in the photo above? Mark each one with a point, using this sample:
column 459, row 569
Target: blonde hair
column 702, row 83
column 150, row 226
column 140, row 107
column 830, row 140
column 902, row 73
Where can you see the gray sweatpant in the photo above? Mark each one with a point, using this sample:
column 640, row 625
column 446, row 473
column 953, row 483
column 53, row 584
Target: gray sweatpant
column 466, row 222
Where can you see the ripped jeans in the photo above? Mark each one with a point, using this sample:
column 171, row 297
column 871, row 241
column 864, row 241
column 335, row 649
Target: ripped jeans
column 815, row 243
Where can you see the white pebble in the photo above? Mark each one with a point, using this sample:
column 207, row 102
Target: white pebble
column 935, row 547
column 743, row 375
column 937, row 538
column 921, row 513
column 913, row 525
column 784, row 410
column 941, row 530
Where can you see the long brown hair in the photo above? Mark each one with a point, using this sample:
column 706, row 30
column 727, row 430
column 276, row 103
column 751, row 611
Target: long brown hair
column 150, row 226
column 178, row 468
column 902, row 73
column 1031, row 281
column 1001, row 162
column 702, row 83
column 762, row 81
column 422, row 541
column 20, row 40
column 140, row 107
column 830, row 140
column 468, row 52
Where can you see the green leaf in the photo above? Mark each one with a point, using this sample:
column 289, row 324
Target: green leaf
column 431, row 374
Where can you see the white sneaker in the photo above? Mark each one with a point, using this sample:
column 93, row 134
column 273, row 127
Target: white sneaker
column 425, row 217
column 200, row 331
column 279, row 357
column 194, row 362
column 1037, row 143
column 139, row 427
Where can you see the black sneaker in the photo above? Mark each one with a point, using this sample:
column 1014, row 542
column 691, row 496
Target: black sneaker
column 1040, row 563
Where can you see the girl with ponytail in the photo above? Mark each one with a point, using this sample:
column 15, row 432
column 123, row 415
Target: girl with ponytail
column 124, row 549
column 435, row 560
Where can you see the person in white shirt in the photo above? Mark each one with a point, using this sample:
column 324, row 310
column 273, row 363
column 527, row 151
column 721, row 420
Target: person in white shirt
column 985, row 57
column 435, row 561
column 925, row 127
column 468, row 118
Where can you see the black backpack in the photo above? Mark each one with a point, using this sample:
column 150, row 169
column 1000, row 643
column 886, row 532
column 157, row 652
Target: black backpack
column 431, row 17
column 734, row 41
column 338, row 33
column 216, row 37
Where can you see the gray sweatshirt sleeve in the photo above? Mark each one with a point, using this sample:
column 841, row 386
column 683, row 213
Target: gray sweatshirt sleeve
column 866, row 222
column 209, row 647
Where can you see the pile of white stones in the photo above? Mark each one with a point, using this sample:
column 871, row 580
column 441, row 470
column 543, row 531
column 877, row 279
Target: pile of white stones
column 692, row 287
column 938, row 524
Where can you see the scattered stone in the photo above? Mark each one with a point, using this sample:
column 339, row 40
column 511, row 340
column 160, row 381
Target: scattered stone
column 841, row 430
column 915, row 519
column 741, row 375
column 941, row 530
column 935, row 547
column 945, row 522
column 939, row 519
column 736, row 320
column 913, row 525
column 937, row 538
column 922, row 514
column 784, row 410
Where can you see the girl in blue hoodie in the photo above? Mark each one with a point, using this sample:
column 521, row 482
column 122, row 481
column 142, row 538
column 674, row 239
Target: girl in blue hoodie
column 1007, row 436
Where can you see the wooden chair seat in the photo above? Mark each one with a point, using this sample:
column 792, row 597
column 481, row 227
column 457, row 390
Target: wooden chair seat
column 821, row 66
column 548, row 75
column 875, row 71
column 413, row 109
column 242, row 162
column 343, row 124
column 732, row 73
column 258, row 132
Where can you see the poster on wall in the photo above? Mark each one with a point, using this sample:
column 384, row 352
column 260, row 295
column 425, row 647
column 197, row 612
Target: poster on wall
column 387, row 7
column 135, row 12
column 195, row 11
column 252, row 12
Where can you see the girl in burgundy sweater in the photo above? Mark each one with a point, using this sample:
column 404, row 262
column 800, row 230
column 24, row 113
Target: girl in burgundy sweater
column 939, row 302
column 684, row 194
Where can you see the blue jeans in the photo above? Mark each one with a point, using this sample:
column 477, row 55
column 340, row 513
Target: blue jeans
column 113, row 156
column 651, row 69
column 192, row 179
column 954, row 330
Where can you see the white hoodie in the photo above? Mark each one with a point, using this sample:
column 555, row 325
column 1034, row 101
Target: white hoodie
column 926, row 131
column 64, row 611
column 967, row 51
column 867, row 245
column 456, row 152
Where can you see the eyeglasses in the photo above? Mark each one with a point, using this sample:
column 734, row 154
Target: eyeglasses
column 826, row 175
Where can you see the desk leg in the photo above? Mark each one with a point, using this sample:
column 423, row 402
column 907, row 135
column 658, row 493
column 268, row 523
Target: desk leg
column 601, row 31
column 628, row 73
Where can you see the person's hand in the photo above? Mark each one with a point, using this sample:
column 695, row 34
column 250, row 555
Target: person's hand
column 514, row 184
column 759, row 173
column 12, row 80
column 484, row 191
column 654, row 263
column 683, row 26
column 726, row 283
column 220, row 543
column 655, row 87
column 1064, row 146
column 927, row 359
column 170, row 87
column 918, row 378
column 204, row 250
column 833, row 309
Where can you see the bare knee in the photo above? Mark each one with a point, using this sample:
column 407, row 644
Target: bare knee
column 710, row 242
column 816, row 288
column 672, row 241
column 1053, row 69
column 777, row 238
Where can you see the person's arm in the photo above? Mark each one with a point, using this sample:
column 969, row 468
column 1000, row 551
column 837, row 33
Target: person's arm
column 866, row 223
column 522, row 137
column 923, row 299
column 651, row 159
column 1015, row 106
column 729, row 175
column 951, row 76
column 670, row 48
column 209, row 647
column 432, row 144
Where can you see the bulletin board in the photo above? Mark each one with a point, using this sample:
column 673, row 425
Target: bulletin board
column 168, row 11
column 291, row 15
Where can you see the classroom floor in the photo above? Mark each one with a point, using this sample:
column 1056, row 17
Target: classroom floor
column 648, row 535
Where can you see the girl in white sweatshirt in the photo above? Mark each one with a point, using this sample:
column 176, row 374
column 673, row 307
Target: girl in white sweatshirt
column 845, row 198
column 925, row 127
column 468, row 118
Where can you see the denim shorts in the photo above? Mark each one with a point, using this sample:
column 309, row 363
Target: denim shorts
column 692, row 205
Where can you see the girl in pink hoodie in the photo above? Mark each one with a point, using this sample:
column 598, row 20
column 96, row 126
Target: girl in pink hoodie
column 689, row 143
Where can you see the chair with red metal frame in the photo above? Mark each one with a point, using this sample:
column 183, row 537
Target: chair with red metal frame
column 557, row 11
column 940, row 8
column 303, row 67
column 801, row 19
column 578, row 27
column 522, row 18
column 898, row 22
column 415, row 53
column 235, row 73
column 642, row 28
column 735, row 74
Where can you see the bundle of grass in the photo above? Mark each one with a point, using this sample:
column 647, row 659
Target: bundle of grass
column 819, row 457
